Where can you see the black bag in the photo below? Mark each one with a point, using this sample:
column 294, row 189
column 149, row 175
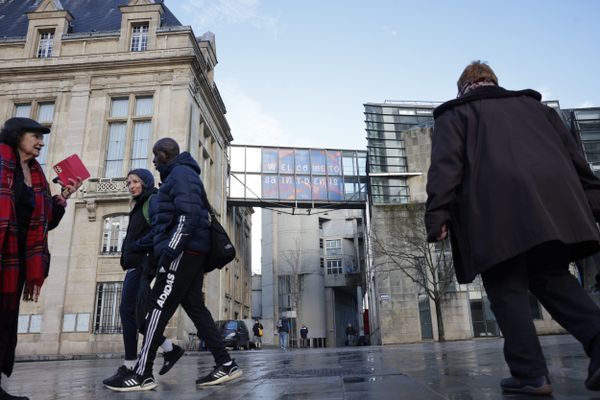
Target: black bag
column 222, row 251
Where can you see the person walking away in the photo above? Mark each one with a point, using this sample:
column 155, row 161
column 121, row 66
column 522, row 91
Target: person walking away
column 304, row 335
column 181, row 245
column 350, row 335
column 283, row 328
column 257, row 330
column 510, row 186
column 27, row 212
column 139, row 262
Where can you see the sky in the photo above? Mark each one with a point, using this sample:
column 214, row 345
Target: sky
column 297, row 73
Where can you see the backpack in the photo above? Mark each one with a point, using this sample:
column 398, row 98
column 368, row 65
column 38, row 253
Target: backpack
column 145, row 209
column 222, row 251
column 260, row 332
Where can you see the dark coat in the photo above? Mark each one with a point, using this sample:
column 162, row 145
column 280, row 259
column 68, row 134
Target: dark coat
column 138, row 240
column 505, row 176
column 179, row 216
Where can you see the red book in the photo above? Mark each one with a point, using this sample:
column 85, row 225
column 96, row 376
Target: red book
column 71, row 167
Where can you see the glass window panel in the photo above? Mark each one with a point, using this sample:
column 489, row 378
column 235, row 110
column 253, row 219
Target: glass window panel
column 236, row 186
column 318, row 162
column 286, row 187
column 253, row 186
column 303, row 187
column 141, row 142
column 119, row 107
column 83, row 322
column 253, row 161
column 23, row 110
column 349, row 164
column 23, row 324
column 143, row 105
column 269, row 186
column 46, row 44
column 302, row 159
column 35, row 324
column 269, row 160
column 116, row 150
column 69, row 321
column 46, row 112
column 139, row 38
column 286, row 161
column 334, row 162
column 43, row 157
column 238, row 158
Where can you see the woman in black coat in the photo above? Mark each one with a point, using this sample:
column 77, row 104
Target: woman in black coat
column 511, row 185
column 138, row 260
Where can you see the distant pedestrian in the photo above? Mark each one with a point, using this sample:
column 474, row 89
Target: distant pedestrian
column 304, row 335
column 257, row 330
column 181, row 245
column 283, row 328
column 511, row 186
column 350, row 335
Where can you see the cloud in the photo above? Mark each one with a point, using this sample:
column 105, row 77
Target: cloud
column 390, row 31
column 210, row 13
column 249, row 121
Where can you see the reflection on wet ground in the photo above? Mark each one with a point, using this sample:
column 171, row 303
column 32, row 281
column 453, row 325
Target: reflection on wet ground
column 454, row 370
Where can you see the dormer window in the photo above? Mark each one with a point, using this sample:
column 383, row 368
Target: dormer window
column 46, row 44
column 139, row 37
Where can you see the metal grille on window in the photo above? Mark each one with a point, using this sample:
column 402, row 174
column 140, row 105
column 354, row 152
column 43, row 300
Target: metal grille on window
column 46, row 44
column 108, row 297
column 139, row 38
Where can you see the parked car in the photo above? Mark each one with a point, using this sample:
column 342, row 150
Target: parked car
column 234, row 333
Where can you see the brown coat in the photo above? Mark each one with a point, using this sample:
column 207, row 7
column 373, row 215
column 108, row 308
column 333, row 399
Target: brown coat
column 505, row 176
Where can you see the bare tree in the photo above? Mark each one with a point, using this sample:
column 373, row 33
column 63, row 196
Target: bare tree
column 403, row 247
column 293, row 258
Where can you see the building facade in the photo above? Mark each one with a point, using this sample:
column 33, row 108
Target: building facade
column 399, row 147
column 312, row 273
column 110, row 78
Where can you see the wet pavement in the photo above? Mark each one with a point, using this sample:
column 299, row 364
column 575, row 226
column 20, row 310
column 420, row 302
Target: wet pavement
column 453, row 370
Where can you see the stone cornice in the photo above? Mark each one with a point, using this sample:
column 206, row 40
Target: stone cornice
column 49, row 15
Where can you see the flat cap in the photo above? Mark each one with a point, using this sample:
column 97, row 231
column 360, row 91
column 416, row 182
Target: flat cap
column 21, row 124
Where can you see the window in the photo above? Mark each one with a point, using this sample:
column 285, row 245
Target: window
column 139, row 37
column 108, row 298
column 43, row 112
column 129, row 132
column 29, row 324
column 334, row 247
column 45, row 44
column 76, row 322
column 285, row 293
column 113, row 234
column 334, row 266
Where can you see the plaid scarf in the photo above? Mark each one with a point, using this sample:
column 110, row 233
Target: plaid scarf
column 37, row 259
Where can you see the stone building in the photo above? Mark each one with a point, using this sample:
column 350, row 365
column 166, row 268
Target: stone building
column 109, row 78
column 312, row 272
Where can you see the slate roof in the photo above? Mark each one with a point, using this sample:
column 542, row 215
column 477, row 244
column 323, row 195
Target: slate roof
column 88, row 16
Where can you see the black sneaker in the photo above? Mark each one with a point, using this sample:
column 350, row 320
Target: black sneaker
column 132, row 382
column 122, row 371
column 220, row 374
column 538, row 386
column 171, row 357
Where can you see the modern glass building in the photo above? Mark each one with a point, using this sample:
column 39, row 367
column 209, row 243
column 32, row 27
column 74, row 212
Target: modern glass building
column 386, row 125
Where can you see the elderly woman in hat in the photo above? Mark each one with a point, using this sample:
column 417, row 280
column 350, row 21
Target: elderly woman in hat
column 27, row 212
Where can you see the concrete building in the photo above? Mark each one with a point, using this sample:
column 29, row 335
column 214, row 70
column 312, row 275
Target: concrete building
column 312, row 272
column 399, row 146
column 109, row 78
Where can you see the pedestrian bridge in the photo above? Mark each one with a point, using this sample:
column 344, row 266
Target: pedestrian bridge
column 275, row 177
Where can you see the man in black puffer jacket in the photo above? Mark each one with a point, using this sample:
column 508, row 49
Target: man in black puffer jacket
column 181, row 243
